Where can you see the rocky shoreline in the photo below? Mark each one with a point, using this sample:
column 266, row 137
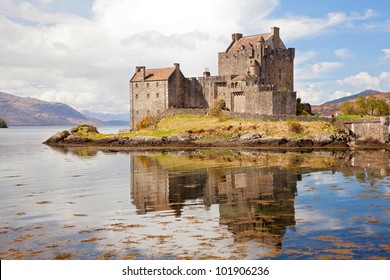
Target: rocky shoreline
column 85, row 135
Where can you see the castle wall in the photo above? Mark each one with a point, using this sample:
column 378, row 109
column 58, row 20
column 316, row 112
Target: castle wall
column 273, row 67
column 280, row 68
column 176, row 89
column 147, row 98
column 373, row 128
column 194, row 97
column 284, row 103
column 233, row 63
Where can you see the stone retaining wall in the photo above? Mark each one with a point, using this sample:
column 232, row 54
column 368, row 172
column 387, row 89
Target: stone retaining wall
column 373, row 128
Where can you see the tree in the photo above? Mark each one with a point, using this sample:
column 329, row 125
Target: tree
column 383, row 108
column 366, row 106
column 303, row 109
column 348, row 108
column 361, row 102
column 372, row 104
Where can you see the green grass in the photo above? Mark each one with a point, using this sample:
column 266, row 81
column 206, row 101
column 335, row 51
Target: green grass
column 213, row 127
column 343, row 116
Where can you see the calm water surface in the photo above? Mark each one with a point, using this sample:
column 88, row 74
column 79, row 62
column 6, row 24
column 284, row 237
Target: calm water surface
column 224, row 204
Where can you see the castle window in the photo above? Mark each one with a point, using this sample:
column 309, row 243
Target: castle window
column 157, row 95
column 280, row 74
column 147, row 96
column 156, row 84
column 137, row 112
column 147, row 85
column 136, row 85
column 136, row 96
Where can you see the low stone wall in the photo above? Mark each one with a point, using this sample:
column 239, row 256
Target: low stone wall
column 185, row 111
column 374, row 128
column 277, row 118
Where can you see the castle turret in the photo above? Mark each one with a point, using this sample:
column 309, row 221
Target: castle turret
column 206, row 73
column 260, row 41
column 254, row 68
column 275, row 36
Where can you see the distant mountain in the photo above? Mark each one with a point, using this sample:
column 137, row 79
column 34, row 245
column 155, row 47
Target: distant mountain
column 347, row 98
column 30, row 111
column 111, row 119
column 332, row 107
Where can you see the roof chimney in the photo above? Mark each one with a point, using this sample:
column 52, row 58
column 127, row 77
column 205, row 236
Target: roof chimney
column 141, row 69
column 177, row 66
column 275, row 38
column 236, row 36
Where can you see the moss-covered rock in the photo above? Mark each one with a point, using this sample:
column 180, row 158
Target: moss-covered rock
column 84, row 129
column 3, row 124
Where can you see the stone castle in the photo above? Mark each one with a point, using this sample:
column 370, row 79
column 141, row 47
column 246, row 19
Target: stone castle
column 255, row 76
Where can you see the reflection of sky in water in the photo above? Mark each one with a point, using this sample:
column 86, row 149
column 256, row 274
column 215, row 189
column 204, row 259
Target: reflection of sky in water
column 90, row 205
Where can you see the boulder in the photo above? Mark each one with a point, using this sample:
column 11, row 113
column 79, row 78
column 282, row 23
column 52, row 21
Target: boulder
column 250, row 137
column 271, row 141
column 84, row 128
column 58, row 137
column 322, row 139
column 3, row 124
column 180, row 137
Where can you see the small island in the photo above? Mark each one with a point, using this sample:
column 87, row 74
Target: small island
column 3, row 124
column 207, row 131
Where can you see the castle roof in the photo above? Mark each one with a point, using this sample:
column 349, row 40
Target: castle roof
column 252, row 40
column 158, row 74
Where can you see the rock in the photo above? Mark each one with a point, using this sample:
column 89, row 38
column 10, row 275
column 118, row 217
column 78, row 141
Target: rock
column 305, row 143
column 338, row 144
column 180, row 137
column 58, row 137
column 323, row 139
column 84, row 128
column 250, row 137
column 342, row 137
column 3, row 124
column 270, row 141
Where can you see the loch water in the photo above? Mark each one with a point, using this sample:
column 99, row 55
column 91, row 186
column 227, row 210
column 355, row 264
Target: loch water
column 79, row 203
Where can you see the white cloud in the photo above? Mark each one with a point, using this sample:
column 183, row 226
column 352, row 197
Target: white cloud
column 344, row 53
column 314, row 93
column 297, row 27
column 87, row 62
column 307, row 71
column 302, row 57
column 310, row 93
column 364, row 80
column 323, row 67
column 387, row 53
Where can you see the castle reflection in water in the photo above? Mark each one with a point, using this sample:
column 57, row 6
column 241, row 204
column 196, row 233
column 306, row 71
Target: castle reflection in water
column 254, row 202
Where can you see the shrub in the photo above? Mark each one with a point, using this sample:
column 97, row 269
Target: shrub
column 84, row 129
column 295, row 127
column 220, row 111
column 144, row 122
column 148, row 121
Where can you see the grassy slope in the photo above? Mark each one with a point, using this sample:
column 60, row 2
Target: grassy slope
column 212, row 127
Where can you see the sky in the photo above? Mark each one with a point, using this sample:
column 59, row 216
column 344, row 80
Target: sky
column 83, row 53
